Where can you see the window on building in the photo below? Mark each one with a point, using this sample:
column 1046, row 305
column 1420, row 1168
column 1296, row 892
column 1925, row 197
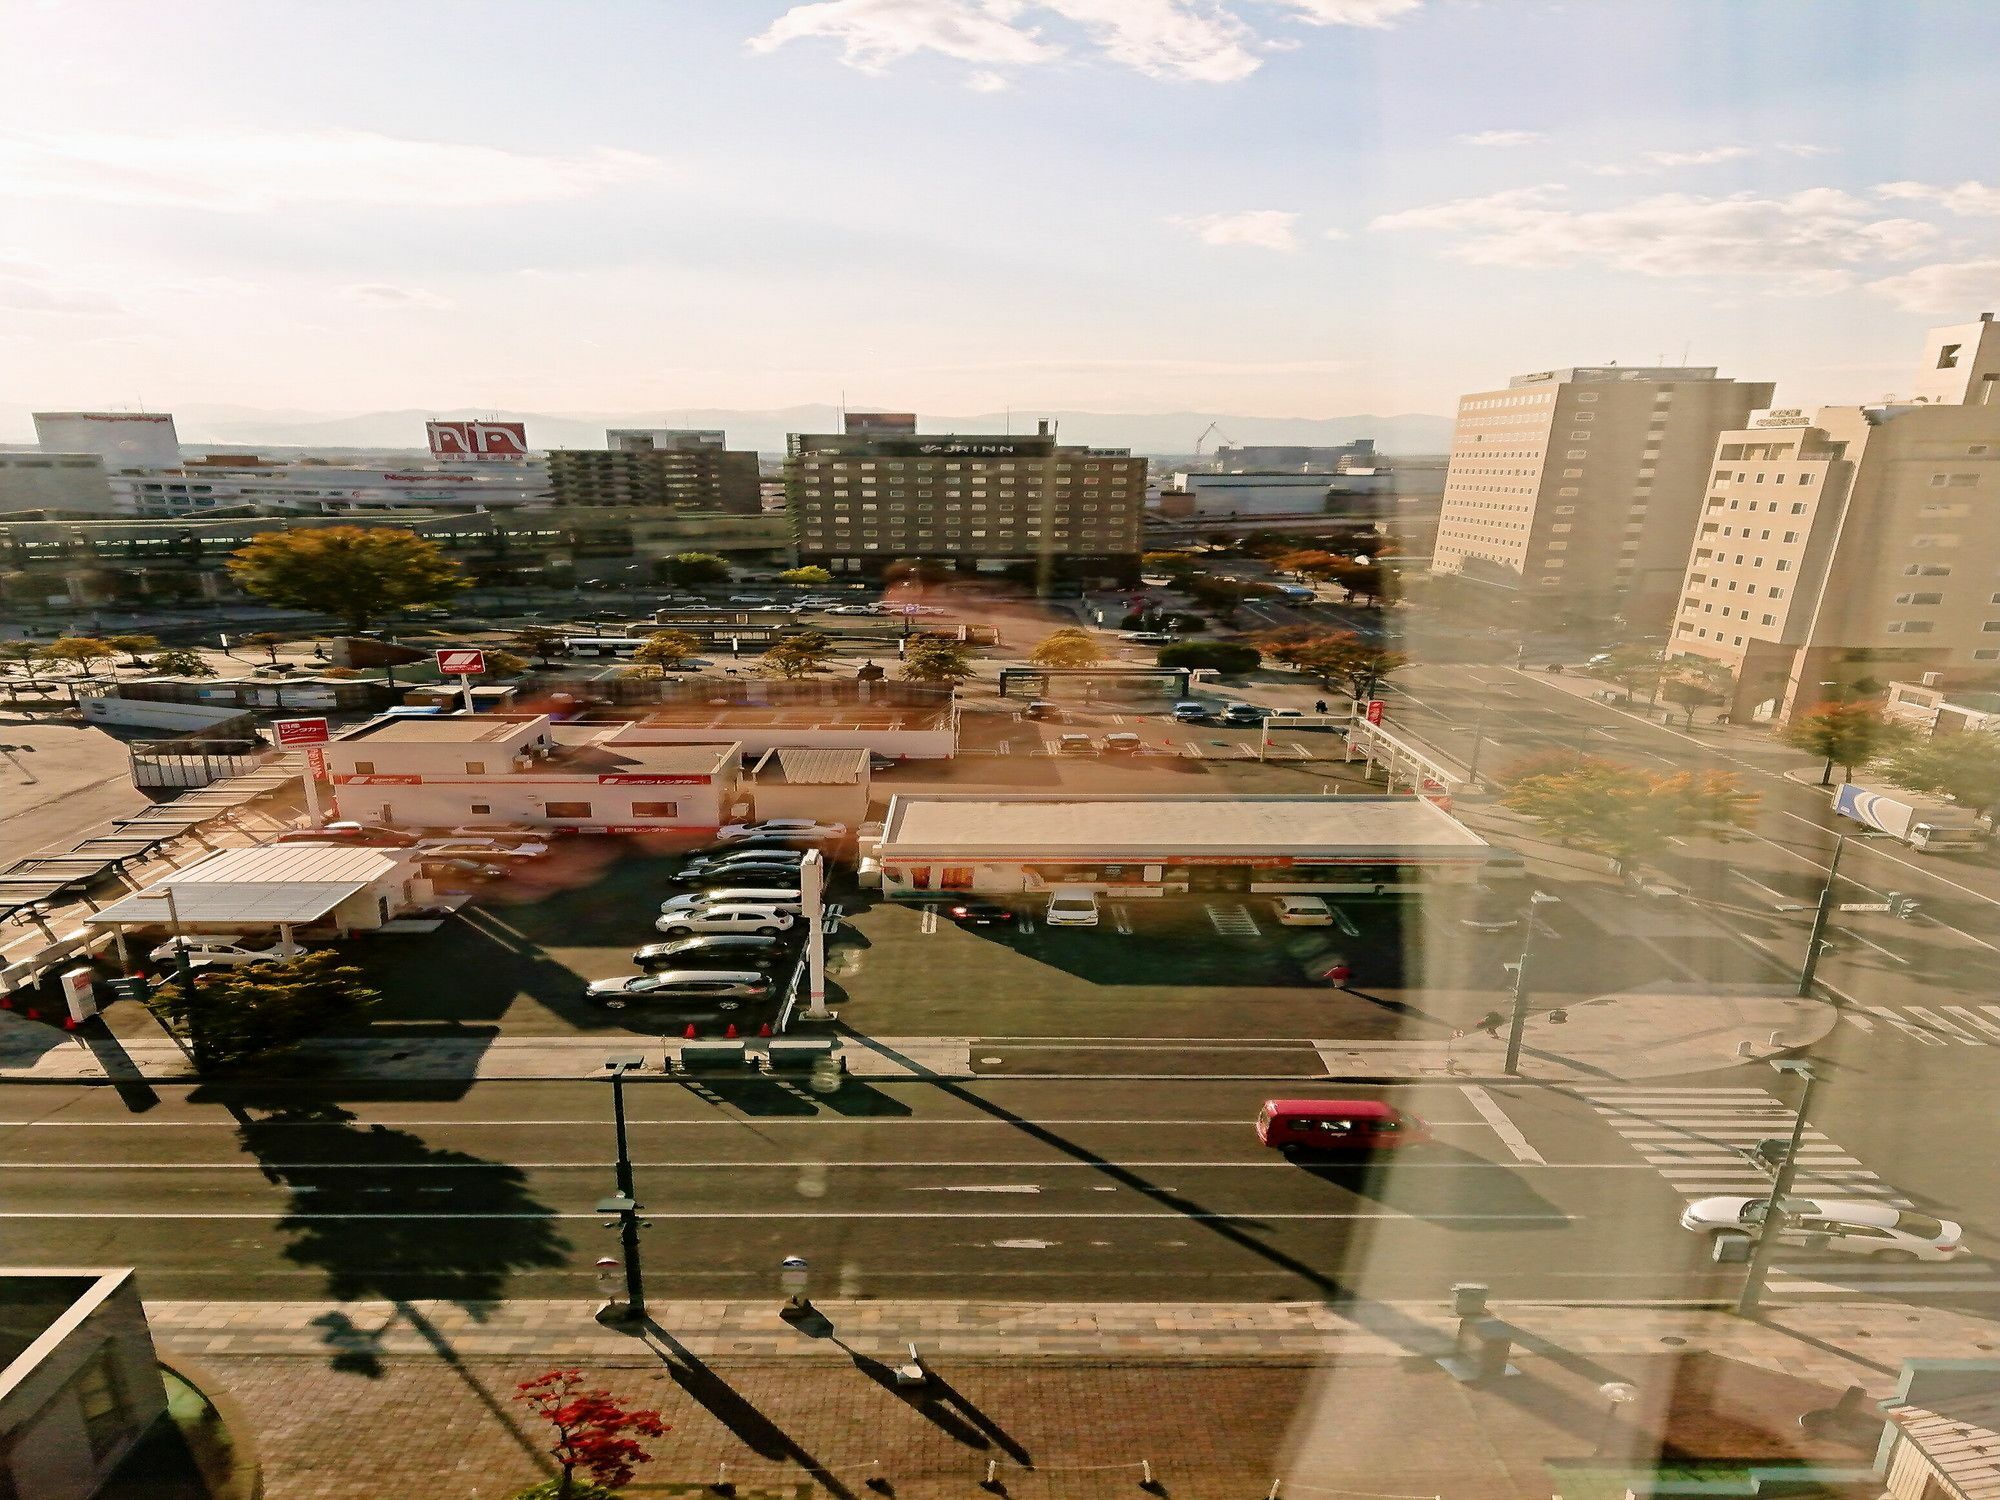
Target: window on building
column 1915, row 627
column 482, row 807
column 656, row 809
column 364, row 768
column 475, row 768
column 568, row 811
column 1920, row 598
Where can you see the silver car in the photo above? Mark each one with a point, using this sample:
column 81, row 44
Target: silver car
column 729, row 987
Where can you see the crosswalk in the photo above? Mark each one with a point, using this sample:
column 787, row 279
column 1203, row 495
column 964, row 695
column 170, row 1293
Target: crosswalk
column 1696, row 1139
column 1931, row 1025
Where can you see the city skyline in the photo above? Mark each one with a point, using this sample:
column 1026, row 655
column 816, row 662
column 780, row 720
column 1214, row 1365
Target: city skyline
column 1283, row 208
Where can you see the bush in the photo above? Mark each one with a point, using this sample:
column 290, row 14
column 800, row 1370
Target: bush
column 1133, row 621
column 551, row 1489
column 1222, row 656
column 1186, row 622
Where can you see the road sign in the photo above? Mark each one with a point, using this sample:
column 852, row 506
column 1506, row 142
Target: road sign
column 301, row 731
column 462, row 662
column 1375, row 707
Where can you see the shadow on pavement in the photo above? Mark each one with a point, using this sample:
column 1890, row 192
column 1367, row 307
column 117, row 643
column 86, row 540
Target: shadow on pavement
column 133, row 1091
column 1441, row 1197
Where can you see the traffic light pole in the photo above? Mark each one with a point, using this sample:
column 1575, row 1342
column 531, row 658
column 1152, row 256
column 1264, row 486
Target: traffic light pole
column 1781, row 1185
column 1820, row 915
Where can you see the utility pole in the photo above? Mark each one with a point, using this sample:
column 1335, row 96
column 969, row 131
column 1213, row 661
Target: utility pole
column 1820, row 914
column 1781, row 1184
column 1478, row 736
column 1520, row 1019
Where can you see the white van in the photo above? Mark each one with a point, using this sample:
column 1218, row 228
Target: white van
column 1071, row 906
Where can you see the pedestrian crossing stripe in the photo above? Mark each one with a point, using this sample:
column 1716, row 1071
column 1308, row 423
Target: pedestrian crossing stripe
column 1933, row 1026
column 1695, row 1138
column 1233, row 921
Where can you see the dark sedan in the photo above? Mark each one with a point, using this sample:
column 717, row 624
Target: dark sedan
column 980, row 914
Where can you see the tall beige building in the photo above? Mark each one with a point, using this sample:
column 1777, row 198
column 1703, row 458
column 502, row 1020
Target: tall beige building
column 1581, row 487
column 1840, row 550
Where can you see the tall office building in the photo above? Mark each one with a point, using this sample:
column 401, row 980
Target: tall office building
column 1841, row 549
column 693, row 471
column 1581, row 487
column 985, row 502
column 1275, row 457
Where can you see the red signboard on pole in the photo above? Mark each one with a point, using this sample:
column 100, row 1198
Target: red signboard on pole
column 301, row 731
column 1375, row 707
column 462, row 662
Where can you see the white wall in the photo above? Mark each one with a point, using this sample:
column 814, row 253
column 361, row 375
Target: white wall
column 146, row 714
column 524, row 800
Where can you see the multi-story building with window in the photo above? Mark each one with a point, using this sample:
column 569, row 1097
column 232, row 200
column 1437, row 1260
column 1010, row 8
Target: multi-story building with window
column 65, row 483
column 1842, row 549
column 982, row 502
column 1580, row 487
column 689, row 471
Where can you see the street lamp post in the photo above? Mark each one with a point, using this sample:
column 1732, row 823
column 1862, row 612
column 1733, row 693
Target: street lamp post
column 1820, row 914
column 1520, row 1018
column 623, row 1203
column 1478, row 736
column 1781, row 1184
column 618, row 1065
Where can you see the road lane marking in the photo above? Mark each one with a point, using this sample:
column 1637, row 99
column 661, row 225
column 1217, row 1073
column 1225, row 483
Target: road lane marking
column 1026, row 1164
column 1965, row 1014
column 1170, row 1216
column 1930, row 1018
column 1898, row 859
column 1916, row 1033
column 1509, row 1133
column 1849, row 932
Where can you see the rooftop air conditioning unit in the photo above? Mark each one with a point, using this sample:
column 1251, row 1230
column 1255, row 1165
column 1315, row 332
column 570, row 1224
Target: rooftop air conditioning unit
column 1932, row 679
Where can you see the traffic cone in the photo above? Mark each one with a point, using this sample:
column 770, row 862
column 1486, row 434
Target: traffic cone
column 765, row 1029
column 731, row 1032
column 34, row 1015
column 69, row 1023
column 689, row 1033
column 6, row 1002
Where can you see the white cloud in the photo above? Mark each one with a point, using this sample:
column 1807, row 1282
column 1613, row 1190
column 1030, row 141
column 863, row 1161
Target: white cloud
column 28, row 287
column 1336, row 234
column 1959, row 198
column 1501, row 138
column 1946, row 287
column 1812, row 238
column 987, row 83
column 382, row 294
column 250, row 172
column 1202, row 41
column 1652, row 163
column 1257, row 228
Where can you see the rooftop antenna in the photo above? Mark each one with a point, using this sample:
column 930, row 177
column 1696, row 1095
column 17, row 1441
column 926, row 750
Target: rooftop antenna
column 1008, row 426
column 843, row 409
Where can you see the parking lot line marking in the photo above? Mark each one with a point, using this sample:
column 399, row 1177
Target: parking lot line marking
column 1121, row 918
column 1346, row 922
column 928, row 922
column 1509, row 1133
column 979, row 1188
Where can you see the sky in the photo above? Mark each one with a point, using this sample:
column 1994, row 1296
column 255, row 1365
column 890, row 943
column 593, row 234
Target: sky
column 1267, row 207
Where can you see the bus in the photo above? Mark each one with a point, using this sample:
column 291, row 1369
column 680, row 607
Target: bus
column 602, row 645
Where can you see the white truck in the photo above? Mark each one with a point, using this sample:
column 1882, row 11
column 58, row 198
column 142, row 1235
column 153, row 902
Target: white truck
column 1921, row 821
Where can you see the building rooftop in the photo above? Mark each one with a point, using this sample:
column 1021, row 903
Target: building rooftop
column 444, row 729
column 591, row 748
column 257, row 887
column 1135, row 827
column 813, row 767
column 731, row 718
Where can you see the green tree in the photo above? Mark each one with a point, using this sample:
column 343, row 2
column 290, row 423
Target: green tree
column 666, row 649
column 1963, row 767
column 356, row 574
column 1689, row 682
column 1626, row 814
column 27, row 656
column 133, row 645
column 936, row 658
column 1067, row 647
column 807, row 575
column 1845, row 735
column 1169, row 563
column 232, row 1016
column 1634, row 668
column 796, row 656
column 82, row 652
column 685, row 569
column 540, row 641
column 506, row 664
column 1231, row 658
column 267, row 642
column 177, row 661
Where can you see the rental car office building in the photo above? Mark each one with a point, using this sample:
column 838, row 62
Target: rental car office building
column 1138, row 845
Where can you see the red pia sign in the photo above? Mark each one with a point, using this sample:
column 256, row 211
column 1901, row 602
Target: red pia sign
column 301, row 731
column 462, row 663
column 1375, row 707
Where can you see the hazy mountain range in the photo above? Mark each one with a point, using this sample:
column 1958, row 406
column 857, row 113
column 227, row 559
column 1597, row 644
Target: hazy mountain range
column 1145, row 432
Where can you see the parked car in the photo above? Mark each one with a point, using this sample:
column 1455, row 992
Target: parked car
column 751, row 599
column 1870, row 1228
column 1147, row 638
column 785, row 828
column 776, row 899
column 880, row 763
column 1075, row 744
column 727, row 855
column 742, row 873
column 1187, row 711
column 730, row 986
column 225, row 951
column 482, row 849
column 1123, row 744
column 739, row 948
column 1071, row 907
column 1041, row 708
column 1302, row 911
column 980, row 914
column 460, row 872
column 850, row 609
column 1243, row 715
column 350, row 833
column 707, row 919
column 498, row 834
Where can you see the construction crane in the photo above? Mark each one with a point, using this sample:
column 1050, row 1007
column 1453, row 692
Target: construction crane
column 1215, row 429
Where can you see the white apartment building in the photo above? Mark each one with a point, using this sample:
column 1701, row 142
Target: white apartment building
column 1842, row 549
column 1580, row 487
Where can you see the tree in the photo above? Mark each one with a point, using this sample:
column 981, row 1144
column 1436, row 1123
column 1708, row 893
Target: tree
column 1632, row 668
column 1231, row 658
column 1626, row 814
column 1689, row 682
column 356, row 574
column 589, row 1430
column 1067, row 647
column 1963, row 767
column 79, row 651
column 1335, row 657
column 178, row 661
column 267, row 642
column 936, row 658
column 25, row 655
column 539, row 640
column 666, row 649
column 132, row 645
column 1845, row 735
column 1363, row 580
column 797, row 656
column 1170, row 563
column 233, row 1015
column 806, row 575
column 505, row 664
column 685, row 569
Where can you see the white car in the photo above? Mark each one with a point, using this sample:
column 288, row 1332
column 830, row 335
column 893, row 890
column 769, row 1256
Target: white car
column 850, row 609
column 497, row 834
column 1071, row 908
column 1850, row 1228
column 1302, row 911
column 777, row 899
column 779, row 828
column 484, row 849
column 759, row 919
column 234, row 952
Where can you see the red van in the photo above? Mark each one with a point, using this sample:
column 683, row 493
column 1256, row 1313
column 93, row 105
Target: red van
column 1337, row 1125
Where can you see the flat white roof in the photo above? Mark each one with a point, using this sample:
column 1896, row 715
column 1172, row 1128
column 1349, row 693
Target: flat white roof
column 275, row 883
column 1139, row 827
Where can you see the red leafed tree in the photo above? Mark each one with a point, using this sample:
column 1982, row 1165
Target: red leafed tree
column 593, row 1433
